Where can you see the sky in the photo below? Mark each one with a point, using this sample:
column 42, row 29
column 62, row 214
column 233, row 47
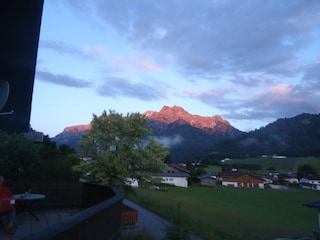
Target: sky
column 249, row 61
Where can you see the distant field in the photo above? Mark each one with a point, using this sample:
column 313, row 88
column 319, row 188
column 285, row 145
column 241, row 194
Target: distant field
column 281, row 165
column 230, row 213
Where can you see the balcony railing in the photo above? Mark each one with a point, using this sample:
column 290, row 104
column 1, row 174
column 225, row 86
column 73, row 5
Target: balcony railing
column 99, row 218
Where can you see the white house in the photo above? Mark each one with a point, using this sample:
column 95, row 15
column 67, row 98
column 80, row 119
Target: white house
column 267, row 179
column 175, row 174
column 132, row 182
column 310, row 183
column 176, row 179
column 278, row 156
column 291, row 178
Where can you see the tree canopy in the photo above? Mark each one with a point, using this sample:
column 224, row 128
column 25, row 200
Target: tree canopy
column 120, row 148
column 306, row 170
column 22, row 160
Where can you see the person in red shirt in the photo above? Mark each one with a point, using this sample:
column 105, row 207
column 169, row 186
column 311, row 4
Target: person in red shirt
column 11, row 215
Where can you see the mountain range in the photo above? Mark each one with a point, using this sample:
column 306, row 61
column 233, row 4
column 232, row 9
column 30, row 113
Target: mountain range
column 183, row 133
column 189, row 136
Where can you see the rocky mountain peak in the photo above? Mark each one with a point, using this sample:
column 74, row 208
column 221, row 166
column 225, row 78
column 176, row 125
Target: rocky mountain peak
column 177, row 114
column 183, row 133
column 169, row 115
column 78, row 128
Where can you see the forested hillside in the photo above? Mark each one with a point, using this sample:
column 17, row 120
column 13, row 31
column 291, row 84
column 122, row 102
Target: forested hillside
column 297, row 136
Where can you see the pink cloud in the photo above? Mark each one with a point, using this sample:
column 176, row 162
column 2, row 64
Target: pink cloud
column 279, row 94
column 190, row 93
column 282, row 89
column 141, row 65
column 95, row 51
column 133, row 64
column 211, row 93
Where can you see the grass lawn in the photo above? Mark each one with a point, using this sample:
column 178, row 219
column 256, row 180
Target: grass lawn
column 281, row 165
column 231, row 213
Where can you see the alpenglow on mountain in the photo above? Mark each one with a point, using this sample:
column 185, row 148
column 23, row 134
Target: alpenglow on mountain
column 184, row 134
column 177, row 115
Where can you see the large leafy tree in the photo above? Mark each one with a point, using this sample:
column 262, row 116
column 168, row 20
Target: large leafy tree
column 19, row 157
column 306, row 170
column 21, row 160
column 120, row 148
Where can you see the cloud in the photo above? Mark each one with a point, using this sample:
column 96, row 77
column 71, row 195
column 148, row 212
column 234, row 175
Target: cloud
column 142, row 65
column 213, row 36
column 249, row 142
column 62, row 79
column 251, row 80
column 85, row 53
column 312, row 75
column 213, row 98
column 170, row 141
column 133, row 64
column 257, row 59
column 94, row 53
column 60, row 47
column 114, row 87
column 277, row 101
column 282, row 89
column 119, row 87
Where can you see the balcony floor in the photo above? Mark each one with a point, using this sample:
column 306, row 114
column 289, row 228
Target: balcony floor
column 27, row 224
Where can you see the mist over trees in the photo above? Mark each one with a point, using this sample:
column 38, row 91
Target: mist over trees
column 293, row 137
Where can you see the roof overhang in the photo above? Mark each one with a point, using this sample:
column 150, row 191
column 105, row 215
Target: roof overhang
column 20, row 29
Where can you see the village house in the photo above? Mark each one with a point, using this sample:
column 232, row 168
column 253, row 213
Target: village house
column 240, row 179
column 312, row 182
column 176, row 175
column 176, row 179
column 208, row 179
column 291, row 178
column 267, row 179
column 177, row 168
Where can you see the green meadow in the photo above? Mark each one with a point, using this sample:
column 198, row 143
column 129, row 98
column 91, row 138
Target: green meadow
column 279, row 164
column 222, row 213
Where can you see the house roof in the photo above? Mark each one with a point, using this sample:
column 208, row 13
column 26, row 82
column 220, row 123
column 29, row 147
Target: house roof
column 207, row 175
column 180, row 168
column 291, row 175
column 20, row 29
column 173, row 175
column 231, row 174
column 235, row 174
column 313, row 178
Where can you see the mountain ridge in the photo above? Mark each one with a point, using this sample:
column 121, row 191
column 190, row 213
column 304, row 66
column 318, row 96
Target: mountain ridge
column 183, row 133
column 170, row 115
column 298, row 136
column 78, row 128
column 178, row 114
column 190, row 137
